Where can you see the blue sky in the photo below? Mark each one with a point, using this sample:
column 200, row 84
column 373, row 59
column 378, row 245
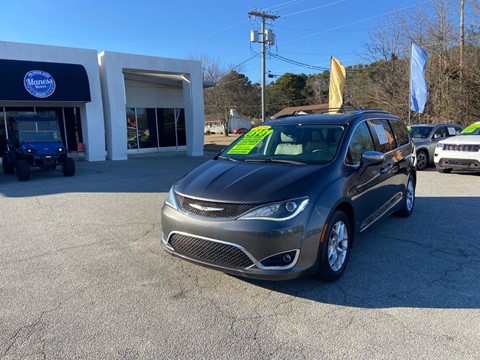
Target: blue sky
column 307, row 31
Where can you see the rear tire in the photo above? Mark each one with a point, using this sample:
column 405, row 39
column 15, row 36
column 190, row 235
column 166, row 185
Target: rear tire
column 335, row 246
column 422, row 160
column 8, row 167
column 409, row 198
column 68, row 167
column 22, row 170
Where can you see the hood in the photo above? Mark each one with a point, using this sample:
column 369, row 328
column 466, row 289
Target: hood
column 420, row 141
column 44, row 148
column 249, row 182
column 462, row 139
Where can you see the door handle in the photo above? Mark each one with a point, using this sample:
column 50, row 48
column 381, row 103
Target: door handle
column 386, row 169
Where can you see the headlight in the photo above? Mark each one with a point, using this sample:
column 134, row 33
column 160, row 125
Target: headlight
column 170, row 199
column 440, row 146
column 280, row 211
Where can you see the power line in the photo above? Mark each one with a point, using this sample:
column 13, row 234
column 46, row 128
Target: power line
column 294, row 62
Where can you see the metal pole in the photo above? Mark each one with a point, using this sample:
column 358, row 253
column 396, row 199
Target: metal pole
column 263, row 70
column 462, row 36
column 263, row 15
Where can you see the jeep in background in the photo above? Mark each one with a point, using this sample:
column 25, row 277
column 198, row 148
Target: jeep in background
column 35, row 140
column 426, row 137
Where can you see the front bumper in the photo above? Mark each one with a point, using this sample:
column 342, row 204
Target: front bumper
column 258, row 249
column 460, row 163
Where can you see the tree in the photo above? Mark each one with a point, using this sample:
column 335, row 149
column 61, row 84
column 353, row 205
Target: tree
column 233, row 91
column 212, row 69
column 291, row 88
column 316, row 89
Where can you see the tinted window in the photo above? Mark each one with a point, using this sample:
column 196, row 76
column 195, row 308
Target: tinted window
column 401, row 133
column 360, row 142
column 382, row 135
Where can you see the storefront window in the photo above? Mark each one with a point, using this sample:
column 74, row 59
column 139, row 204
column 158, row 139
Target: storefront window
column 132, row 140
column 69, row 119
column 166, row 122
column 181, row 134
column 154, row 128
column 144, row 133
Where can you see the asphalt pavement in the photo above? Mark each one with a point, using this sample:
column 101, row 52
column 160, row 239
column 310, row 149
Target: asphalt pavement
column 83, row 276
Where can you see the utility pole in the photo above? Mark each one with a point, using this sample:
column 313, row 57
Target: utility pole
column 267, row 38
column 462, row 35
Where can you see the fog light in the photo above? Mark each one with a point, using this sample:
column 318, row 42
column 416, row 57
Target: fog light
column 284, row 260
column 287, row 258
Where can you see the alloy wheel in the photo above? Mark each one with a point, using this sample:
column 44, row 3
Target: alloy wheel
column 337, row 246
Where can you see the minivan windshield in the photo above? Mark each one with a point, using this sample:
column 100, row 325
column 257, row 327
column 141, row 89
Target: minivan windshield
column 287, row 143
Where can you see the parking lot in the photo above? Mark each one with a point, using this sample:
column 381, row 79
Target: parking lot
column 83, row 276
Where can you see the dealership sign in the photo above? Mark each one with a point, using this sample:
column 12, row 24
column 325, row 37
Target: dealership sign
column 39, row 83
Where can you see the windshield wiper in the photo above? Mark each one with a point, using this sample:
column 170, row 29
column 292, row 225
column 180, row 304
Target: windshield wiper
column 284, row 161
column 226, row 158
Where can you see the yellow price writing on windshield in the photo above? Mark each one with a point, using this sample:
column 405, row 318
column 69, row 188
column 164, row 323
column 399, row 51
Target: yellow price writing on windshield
column 250, row 140
column 471, row 128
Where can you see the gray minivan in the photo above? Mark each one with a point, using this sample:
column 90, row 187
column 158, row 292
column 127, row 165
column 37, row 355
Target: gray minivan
column 288, row 197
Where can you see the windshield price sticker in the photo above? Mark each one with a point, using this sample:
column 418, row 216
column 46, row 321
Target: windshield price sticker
column 250, row 140
column 471, row 128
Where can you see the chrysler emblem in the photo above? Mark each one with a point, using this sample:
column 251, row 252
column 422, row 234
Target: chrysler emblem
column 205, row 208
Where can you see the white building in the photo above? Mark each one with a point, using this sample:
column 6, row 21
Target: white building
column 238, row 121
column 109, row 104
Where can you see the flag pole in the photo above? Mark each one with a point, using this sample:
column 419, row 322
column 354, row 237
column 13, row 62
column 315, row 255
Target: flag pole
column 410, row 86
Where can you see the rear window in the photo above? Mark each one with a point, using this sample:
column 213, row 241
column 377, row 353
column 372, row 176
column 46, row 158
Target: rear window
column 382, row 133
column 401, row 133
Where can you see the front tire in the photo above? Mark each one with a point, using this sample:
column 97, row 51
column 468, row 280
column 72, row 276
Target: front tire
column 335, row 247
column 68, row 167
column 22, row 170
column 422, row 160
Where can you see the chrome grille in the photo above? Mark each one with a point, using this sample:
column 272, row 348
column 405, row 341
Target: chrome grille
column 209, row 251
column 211, row 209
column 461, row 147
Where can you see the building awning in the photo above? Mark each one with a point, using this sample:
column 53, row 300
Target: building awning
column 43, row 81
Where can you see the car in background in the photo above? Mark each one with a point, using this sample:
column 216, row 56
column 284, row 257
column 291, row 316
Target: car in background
column 460, row 152
column 287, row 198
column 239, row 131
column 426, row 137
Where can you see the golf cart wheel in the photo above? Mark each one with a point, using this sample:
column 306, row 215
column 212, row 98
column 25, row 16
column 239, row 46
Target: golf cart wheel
column 22, row 170
column 8, row 167
column 68, row 167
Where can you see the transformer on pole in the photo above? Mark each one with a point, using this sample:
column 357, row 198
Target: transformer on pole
column 265, row 37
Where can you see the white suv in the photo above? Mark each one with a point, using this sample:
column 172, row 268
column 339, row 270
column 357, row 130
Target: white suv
column 460, row 152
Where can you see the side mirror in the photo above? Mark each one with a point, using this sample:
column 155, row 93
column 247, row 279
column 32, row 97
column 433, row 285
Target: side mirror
column 437, row 136
column 372, row 158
